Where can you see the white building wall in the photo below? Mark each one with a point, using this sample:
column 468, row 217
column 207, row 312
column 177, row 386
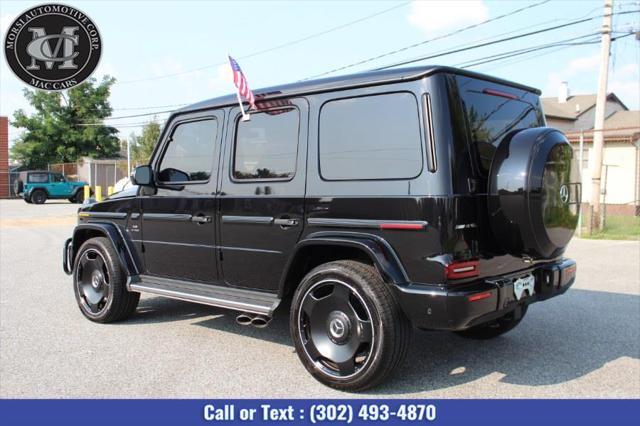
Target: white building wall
column 620, row 180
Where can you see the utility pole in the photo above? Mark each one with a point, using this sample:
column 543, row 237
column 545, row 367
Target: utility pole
column 601, row 101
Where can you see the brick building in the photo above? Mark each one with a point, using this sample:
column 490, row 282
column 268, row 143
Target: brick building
column 4, row 157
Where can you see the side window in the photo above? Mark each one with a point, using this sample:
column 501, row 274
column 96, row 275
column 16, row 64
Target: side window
column 189, row 156
column 266, row 147
column 57, row 177
column 38, row 178
column 371, row 137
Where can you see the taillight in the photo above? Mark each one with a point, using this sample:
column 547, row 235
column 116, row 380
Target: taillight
column 466, row 269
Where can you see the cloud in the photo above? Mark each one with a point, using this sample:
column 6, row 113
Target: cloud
column 436, row 15
column 582, row 75
column 575, row 71
column 625, row 82
column 223, row 81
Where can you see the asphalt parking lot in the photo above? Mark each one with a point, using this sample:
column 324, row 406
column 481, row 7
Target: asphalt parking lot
column 583, row 344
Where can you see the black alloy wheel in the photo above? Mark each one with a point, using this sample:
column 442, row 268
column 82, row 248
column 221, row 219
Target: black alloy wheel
column 347, row 326
column 100, row 283
column 336, row 328
column 93, row 281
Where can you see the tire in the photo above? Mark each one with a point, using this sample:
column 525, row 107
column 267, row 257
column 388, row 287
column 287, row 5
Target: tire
column 27, row 200
column 78, row 198
column 534, row 193
column 38, row 196
column 495, row 328
column 367, row 323
column 18, row 186
column 99, row 283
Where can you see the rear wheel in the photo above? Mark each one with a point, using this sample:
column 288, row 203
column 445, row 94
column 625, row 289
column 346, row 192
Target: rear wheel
column 38, row 196
column 497, row 327
column 347, row 327
column 78, row 197
column 99, row 283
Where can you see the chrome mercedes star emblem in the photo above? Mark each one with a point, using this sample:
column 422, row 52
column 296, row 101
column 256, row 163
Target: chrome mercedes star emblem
column 337, row 328
column 564, row 194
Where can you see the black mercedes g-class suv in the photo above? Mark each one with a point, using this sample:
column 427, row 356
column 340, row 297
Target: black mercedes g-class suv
column 427, row 197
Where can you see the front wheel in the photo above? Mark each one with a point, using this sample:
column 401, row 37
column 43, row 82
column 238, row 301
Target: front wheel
column 100, row 284
column 497, row 327
column 347, row 326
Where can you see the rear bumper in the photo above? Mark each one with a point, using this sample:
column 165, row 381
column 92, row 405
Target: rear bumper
column 440, row 308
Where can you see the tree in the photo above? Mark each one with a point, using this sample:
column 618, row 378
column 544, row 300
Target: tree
column 142, row 146
column 63, row 129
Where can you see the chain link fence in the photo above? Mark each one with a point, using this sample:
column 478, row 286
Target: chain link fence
column 103, row 173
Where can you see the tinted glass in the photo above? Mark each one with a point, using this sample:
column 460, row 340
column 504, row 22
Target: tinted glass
column 38, row 178
column 493, row 111
column 267, row 145
column 190, row 153
column 373, row 137
column 57, row 177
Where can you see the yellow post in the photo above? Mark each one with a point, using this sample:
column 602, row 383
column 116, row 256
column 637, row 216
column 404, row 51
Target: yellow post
column 98, row 193
column 109, row 190
column 87, row 192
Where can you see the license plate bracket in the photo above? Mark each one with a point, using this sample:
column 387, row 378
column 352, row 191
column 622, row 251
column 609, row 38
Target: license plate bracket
column 524, row 286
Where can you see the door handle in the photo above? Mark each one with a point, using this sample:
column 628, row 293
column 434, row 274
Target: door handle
column 201, row 219
column 285, row 222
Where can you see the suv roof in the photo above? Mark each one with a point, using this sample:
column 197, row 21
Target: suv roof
column 350, row 81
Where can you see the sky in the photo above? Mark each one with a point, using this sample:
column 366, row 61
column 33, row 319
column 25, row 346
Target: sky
column 169, row 53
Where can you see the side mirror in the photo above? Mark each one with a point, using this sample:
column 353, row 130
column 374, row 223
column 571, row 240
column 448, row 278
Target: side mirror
column 143, row 176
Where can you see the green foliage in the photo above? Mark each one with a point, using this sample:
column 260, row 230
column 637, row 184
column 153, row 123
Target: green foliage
column 142, row 146
column 618, row 228
column 56, row 131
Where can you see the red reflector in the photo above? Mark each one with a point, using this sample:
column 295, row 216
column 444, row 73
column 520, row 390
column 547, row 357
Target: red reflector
column 459, row 270
column 498, row 93
column 479, row 296
column 405, row 226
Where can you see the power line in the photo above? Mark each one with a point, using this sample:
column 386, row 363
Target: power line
column 504, row 55
column 402, row 49
column 148, row 107
column 277, row 47
column 502, row 40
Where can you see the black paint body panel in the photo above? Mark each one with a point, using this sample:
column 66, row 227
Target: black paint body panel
column 257, row 228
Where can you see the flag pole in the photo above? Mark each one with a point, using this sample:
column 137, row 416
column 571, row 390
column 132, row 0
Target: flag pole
column 245, row 116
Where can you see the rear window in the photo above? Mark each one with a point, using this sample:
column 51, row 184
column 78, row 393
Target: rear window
column 370, row 137
column 493, row 111
column 38, row 178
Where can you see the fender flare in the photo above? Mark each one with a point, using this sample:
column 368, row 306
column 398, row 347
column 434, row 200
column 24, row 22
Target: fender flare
column 376, row 248
column 124, row 248
column 35, row 188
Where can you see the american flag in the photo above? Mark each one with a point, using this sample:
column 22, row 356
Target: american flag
column 241, row 83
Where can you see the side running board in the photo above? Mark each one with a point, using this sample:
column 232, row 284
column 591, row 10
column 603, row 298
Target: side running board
column 256, row 302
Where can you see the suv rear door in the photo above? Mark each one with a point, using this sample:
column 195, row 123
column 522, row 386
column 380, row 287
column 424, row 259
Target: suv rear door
column 178, row 219
column 262, row 193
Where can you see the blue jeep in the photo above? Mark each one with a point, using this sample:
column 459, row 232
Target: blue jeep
column 37, row 186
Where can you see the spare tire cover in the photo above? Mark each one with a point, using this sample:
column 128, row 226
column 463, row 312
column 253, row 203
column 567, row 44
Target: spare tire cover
column 534, row 193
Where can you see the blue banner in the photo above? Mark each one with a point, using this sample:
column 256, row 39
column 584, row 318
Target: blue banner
column 356, row 412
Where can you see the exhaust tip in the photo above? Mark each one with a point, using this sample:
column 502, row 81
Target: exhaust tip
column 244, row 319
column 260, row 321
